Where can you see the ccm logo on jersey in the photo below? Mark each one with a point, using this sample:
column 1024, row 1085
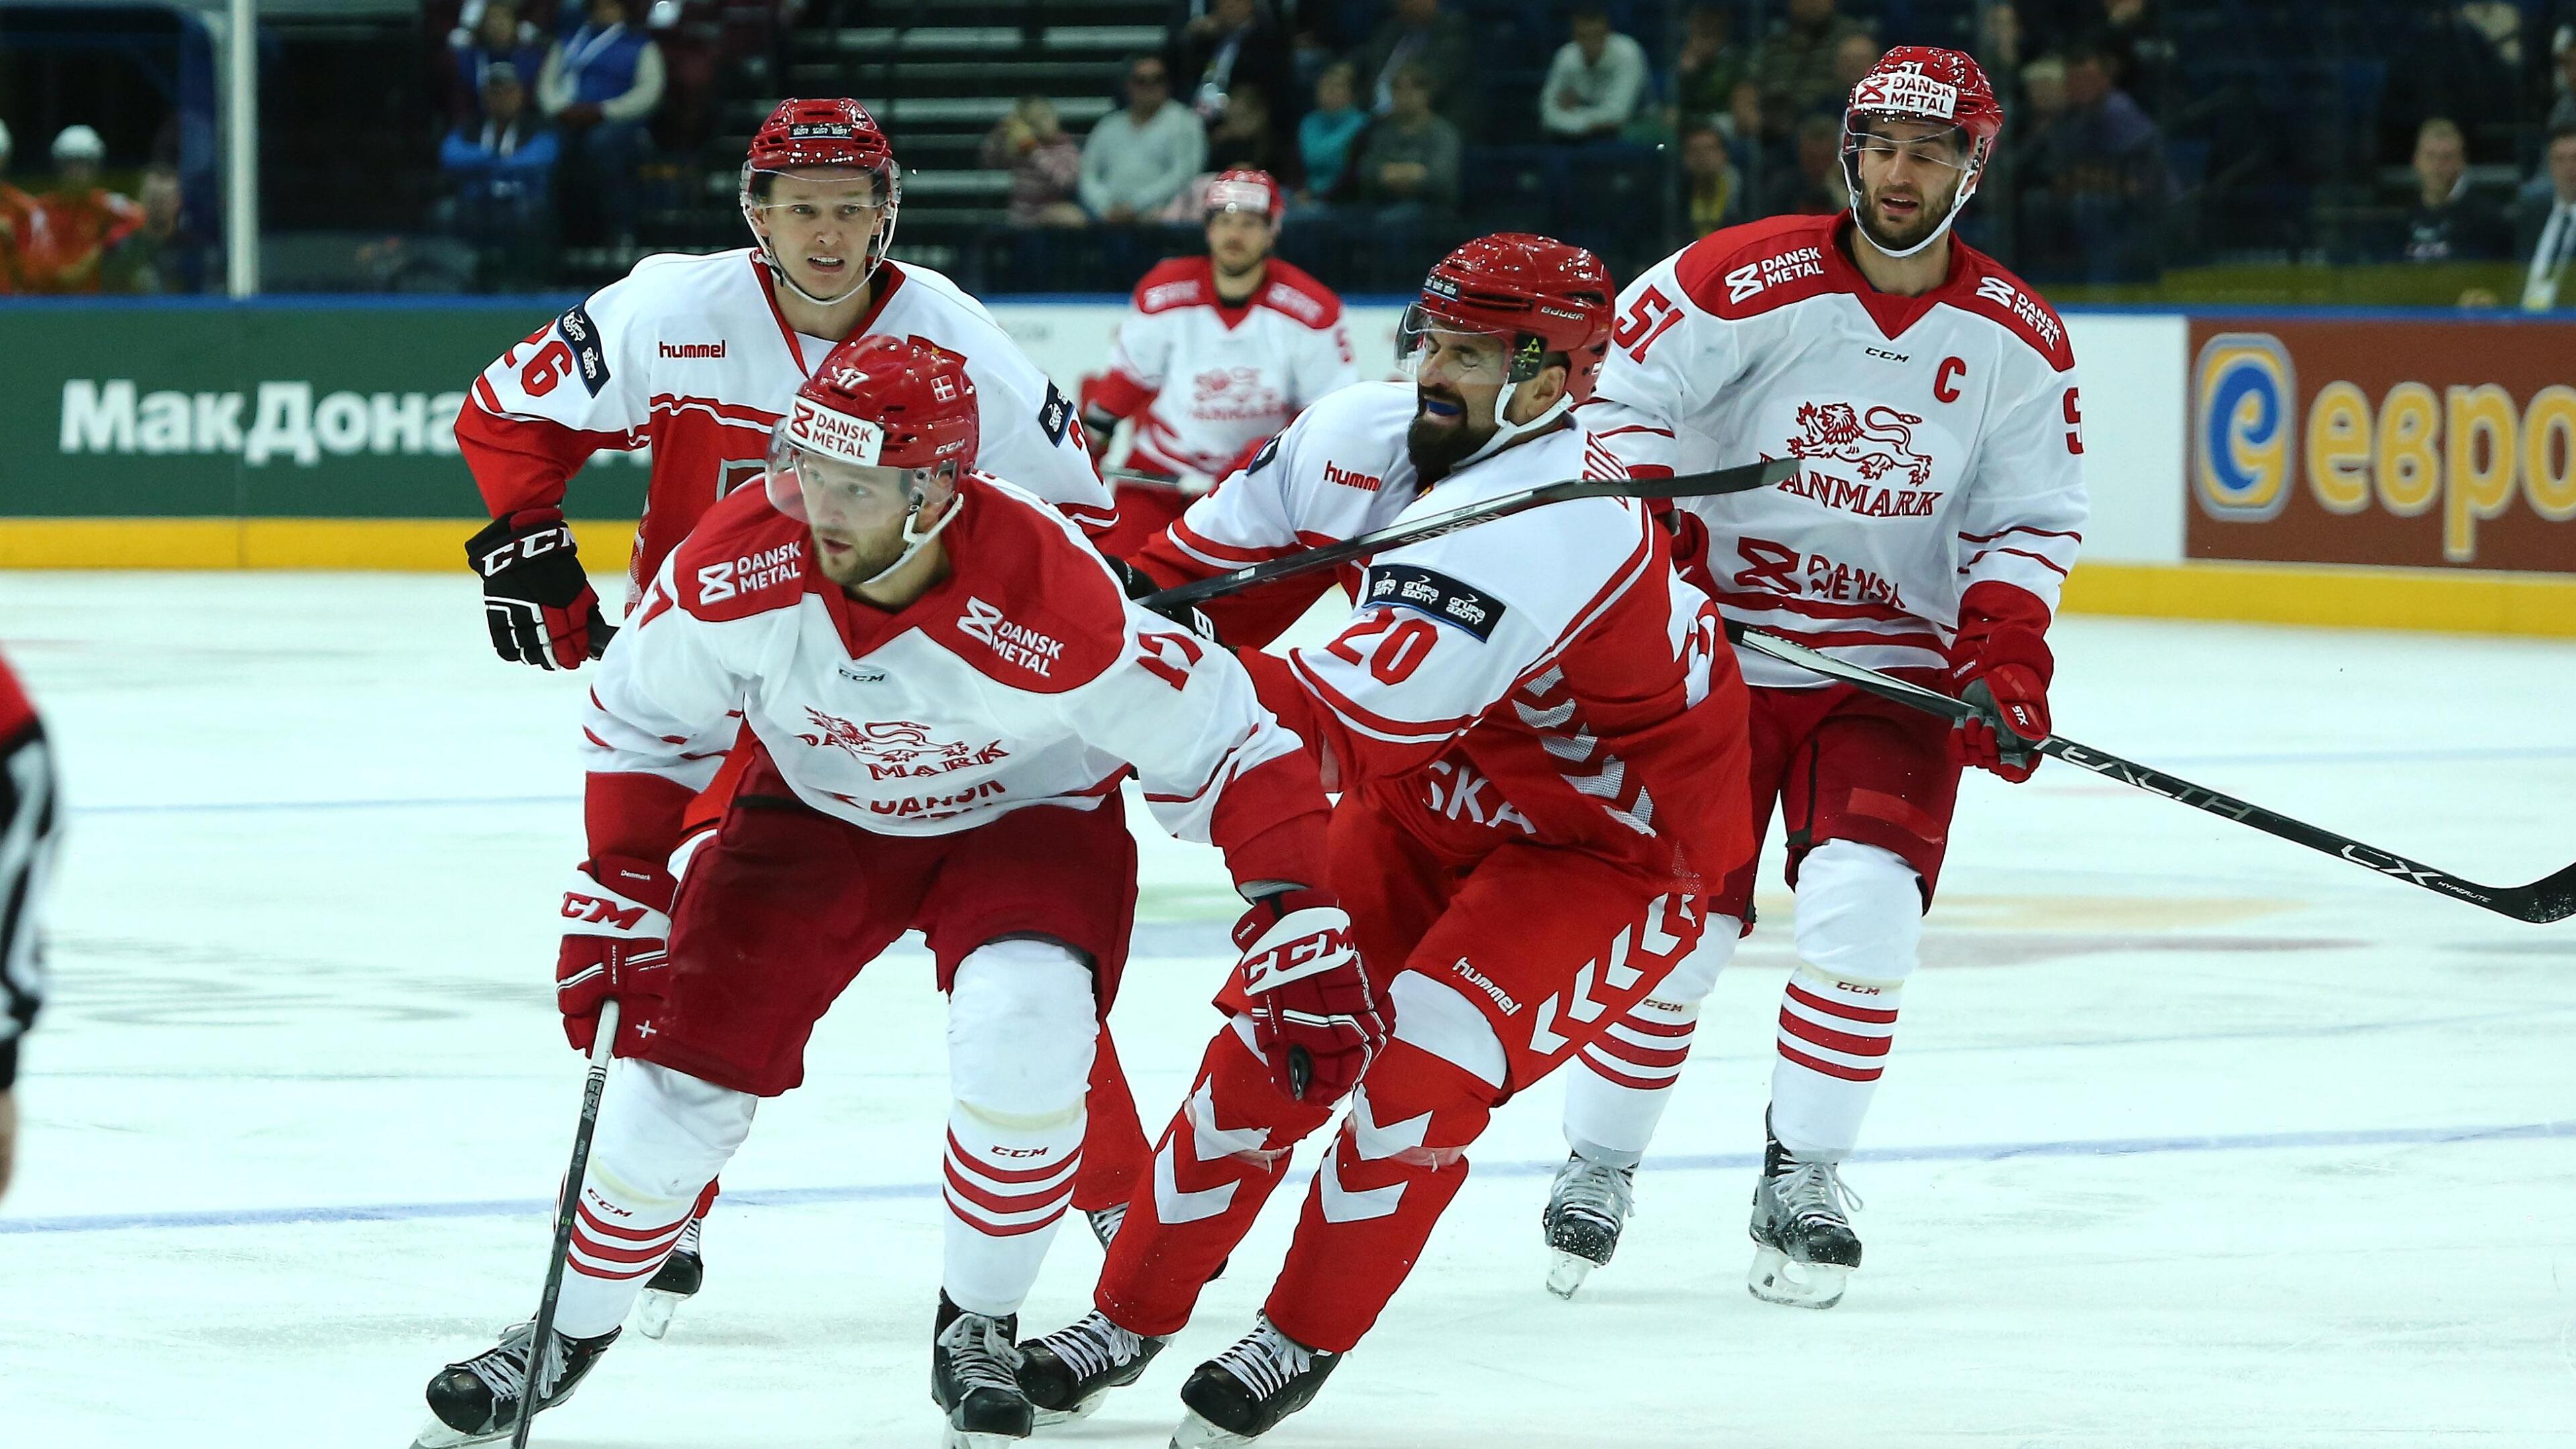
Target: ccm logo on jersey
column 1436, row 594
column 1015, row 643
column 582, row 335
column 1751, row 278
column 718, row 582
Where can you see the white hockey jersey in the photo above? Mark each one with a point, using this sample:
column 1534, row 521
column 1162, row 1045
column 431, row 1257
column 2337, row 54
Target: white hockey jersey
column 1547, row 673
column 692, row 356
column 1940, row 436
column 1204, row 381
column 1025, row 677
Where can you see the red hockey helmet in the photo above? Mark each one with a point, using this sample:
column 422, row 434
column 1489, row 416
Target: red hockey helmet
column 1540, row 294
column 878, row 403
column 1247, row 189
column 833, row 138
column 1925, row 83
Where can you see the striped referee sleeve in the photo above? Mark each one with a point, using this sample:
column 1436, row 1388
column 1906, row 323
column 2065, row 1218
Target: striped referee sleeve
column 27, row 819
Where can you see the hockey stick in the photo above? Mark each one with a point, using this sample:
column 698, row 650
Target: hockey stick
column 1141, row 479
column 542, row 1344
column 1741, row 479
column 2552, row 898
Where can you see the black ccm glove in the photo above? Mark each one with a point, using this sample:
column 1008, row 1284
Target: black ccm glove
column 536, row 599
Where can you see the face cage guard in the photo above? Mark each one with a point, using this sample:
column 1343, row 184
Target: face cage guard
column 786, row 485
column 1527, row 358
column 889, row 180
column 1972, row 170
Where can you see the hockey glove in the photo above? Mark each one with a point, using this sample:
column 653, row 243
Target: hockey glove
column 616, row 942
column 536, row 599
column 2001, row 664
column 1314, row 1016
column 1140, row 585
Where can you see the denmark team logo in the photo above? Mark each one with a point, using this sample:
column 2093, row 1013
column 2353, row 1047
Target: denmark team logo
column 896, row 748
column 1879, row 444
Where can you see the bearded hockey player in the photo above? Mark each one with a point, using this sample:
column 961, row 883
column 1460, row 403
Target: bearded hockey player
column 1219, row 352
column 1539, row 740
column 944, row 687
column 1931, row 395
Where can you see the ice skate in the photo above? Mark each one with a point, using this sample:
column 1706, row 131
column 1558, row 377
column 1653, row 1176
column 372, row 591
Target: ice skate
column 1586, row 1208
column 682, row 1275
column 1243, row 1393
column 1067, row 1373
column 1105, row 1221
column 477, row 1401
column 972, row 1358
column 1804, row 1246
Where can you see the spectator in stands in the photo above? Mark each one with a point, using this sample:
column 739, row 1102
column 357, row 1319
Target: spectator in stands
column 1439, row 44
column 81, row 219
column 1216, row 43
column 20, row 216
column 1711, row 189
column 2562, row 112
column 600, row 86
column 1710, row 67
column 2102, row 165
column 1796, row 66
column 498, row 37
column 501, row 167
column 1815, row 186
column 1136, row 160
column 1595, row 82
column 1409, row 166
column 2549, row 233
column 1045, row 165
column 2129, row 36
column 1854, row 55
column 1241, row 138
column 2449, row 223
column 1325, row 137
column 165, row 253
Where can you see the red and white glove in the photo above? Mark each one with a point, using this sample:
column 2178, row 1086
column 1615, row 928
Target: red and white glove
column 2001, row 664
column 536, row 600
column 616, row 943
column 1314, row 1015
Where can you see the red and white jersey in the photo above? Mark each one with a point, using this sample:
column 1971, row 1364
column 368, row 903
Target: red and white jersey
column 1545, row 675
column 691, row 356
column 1939, row 434
column 1025, row 677
column 1205, row 381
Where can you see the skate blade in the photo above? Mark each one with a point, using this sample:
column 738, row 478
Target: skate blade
column 1778, row 1278
column 1567, row 1272
column 436, row 1435
column 653, row 1311
column 977, row 1439
column 1049, row 1418
column 1197, row 1433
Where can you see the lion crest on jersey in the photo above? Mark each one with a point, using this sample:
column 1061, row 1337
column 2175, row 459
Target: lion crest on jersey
column 1879, row 443
column 896, row 748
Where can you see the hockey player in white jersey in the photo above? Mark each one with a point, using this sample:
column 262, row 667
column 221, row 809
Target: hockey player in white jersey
column 1217, row 353
column 1932, row 397
column 945, row 688
column 1539, row 741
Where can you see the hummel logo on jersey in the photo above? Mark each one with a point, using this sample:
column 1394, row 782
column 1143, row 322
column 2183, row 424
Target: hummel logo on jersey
column 1751, row 278
column 1348, row 478
column 718, row 582
column 1015, row 643
column 693, row 349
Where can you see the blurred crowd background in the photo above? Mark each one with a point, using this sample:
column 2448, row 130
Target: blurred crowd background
column 2373, row 151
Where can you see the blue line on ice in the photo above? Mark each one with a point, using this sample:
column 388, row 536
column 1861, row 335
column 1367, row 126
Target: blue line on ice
column 1723, row 1161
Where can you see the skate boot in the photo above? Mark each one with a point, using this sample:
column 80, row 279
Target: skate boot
column 1585, row 1210
column 1804, row 1246
column 1067, row 1373
column 971, row 1363
column 477, row 1401
column 682, row 1274
column 1105, row 1222
column 1243, row 1393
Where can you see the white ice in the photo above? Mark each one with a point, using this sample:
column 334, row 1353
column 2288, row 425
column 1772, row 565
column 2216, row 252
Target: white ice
column 2191, row 1137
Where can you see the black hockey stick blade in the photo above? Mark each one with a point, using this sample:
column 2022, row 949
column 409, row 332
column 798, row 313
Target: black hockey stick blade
column 1742, row 479
column 2552, row 898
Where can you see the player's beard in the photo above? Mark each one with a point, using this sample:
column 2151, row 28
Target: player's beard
column 1928, row 212
column 860, row 560
column 1436, row 446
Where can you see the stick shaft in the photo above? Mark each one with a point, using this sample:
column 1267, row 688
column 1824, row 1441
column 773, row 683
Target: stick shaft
column 541, row 1347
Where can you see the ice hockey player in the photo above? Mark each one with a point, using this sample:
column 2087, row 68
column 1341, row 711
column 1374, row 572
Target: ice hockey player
column 697, row 357
column 27, row 817
column 1219, row 352
column 945, row 687
column 1539, row 740
column 1931, row 396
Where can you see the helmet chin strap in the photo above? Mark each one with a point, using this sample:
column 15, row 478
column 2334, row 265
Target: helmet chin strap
column 1507, row 432
column 1958, row 202
column 914, row 537
column 879, row 240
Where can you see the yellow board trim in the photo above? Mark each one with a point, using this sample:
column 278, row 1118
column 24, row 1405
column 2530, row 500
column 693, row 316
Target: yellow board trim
column 401, row 545
column 2460, row 601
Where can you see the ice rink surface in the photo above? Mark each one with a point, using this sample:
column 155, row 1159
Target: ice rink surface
column 2191, row 1137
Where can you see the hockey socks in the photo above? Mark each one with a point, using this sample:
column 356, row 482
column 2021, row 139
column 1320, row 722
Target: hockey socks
column 1021, row 1026
column 663, row 1137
